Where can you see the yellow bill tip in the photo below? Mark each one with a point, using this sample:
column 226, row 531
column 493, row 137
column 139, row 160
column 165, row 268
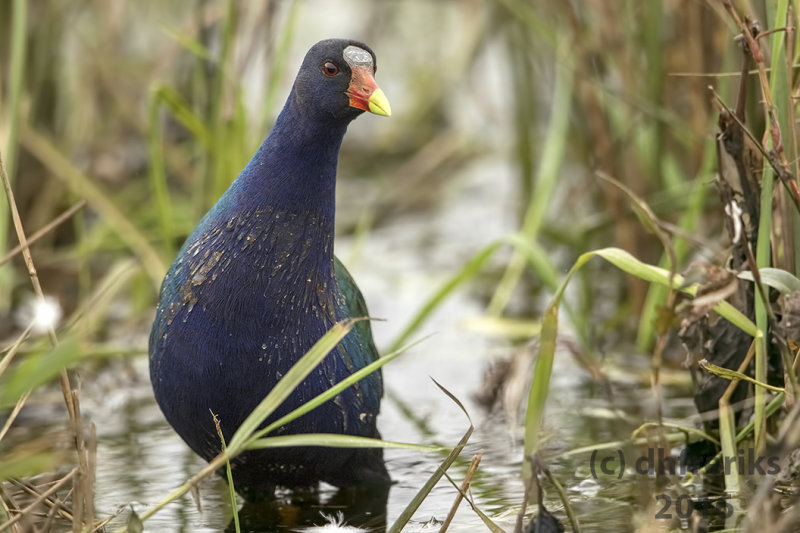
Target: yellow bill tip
column 379, row 104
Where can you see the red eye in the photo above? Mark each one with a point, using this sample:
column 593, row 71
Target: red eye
column 330, row 69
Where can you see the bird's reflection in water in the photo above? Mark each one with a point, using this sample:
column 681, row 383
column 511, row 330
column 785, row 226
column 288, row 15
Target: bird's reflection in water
column 300, row 510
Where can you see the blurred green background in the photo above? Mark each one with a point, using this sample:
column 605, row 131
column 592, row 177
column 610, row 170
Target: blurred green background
column 148, row 110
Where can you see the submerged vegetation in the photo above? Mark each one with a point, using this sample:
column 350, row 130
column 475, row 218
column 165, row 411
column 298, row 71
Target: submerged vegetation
column 655, row 154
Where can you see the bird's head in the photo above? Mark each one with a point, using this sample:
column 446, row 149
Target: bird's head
column 337, row 78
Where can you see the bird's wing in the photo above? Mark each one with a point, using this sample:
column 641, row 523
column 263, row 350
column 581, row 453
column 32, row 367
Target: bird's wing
column 355, row 307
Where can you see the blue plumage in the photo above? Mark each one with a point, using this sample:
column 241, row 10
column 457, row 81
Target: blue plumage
column 256, row 285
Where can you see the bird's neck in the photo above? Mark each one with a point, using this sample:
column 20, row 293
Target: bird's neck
column 294, row 170
column 287, row 191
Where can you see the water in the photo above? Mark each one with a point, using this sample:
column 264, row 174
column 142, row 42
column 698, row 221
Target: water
column 140, row 459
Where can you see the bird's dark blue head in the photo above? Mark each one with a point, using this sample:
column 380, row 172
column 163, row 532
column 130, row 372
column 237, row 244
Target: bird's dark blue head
column 295, row 167
column 336, row 80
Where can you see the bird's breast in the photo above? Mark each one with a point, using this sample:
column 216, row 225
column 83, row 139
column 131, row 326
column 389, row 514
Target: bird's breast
column 259, row 284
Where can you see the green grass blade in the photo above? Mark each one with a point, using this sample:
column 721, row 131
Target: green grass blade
column 689, row 221
column 334, row 440
column 507, row 328
column 26, row 465
column 279, row 60
column 727, row 430
column 529, row 15
column 772, row 407
column 547, row 344
column 289, row 382
column 779, row 89
column 84, row 187
column 547, row 176
column 12, row 111
column 333, row 391
column 193, row 46
column 229, row 476
column 184, row 114
column 780, row 280
column 223, row 138
column 413, row 505
column 537, row 257
column 628, row 263
column 728, row 374
column 467, row 272
column 158, row 173
column 36, row 369
column 248, row 432
column 16, row 81
column 527, row 249
column 537, row 397
column 494, row 528
column 653, row 274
